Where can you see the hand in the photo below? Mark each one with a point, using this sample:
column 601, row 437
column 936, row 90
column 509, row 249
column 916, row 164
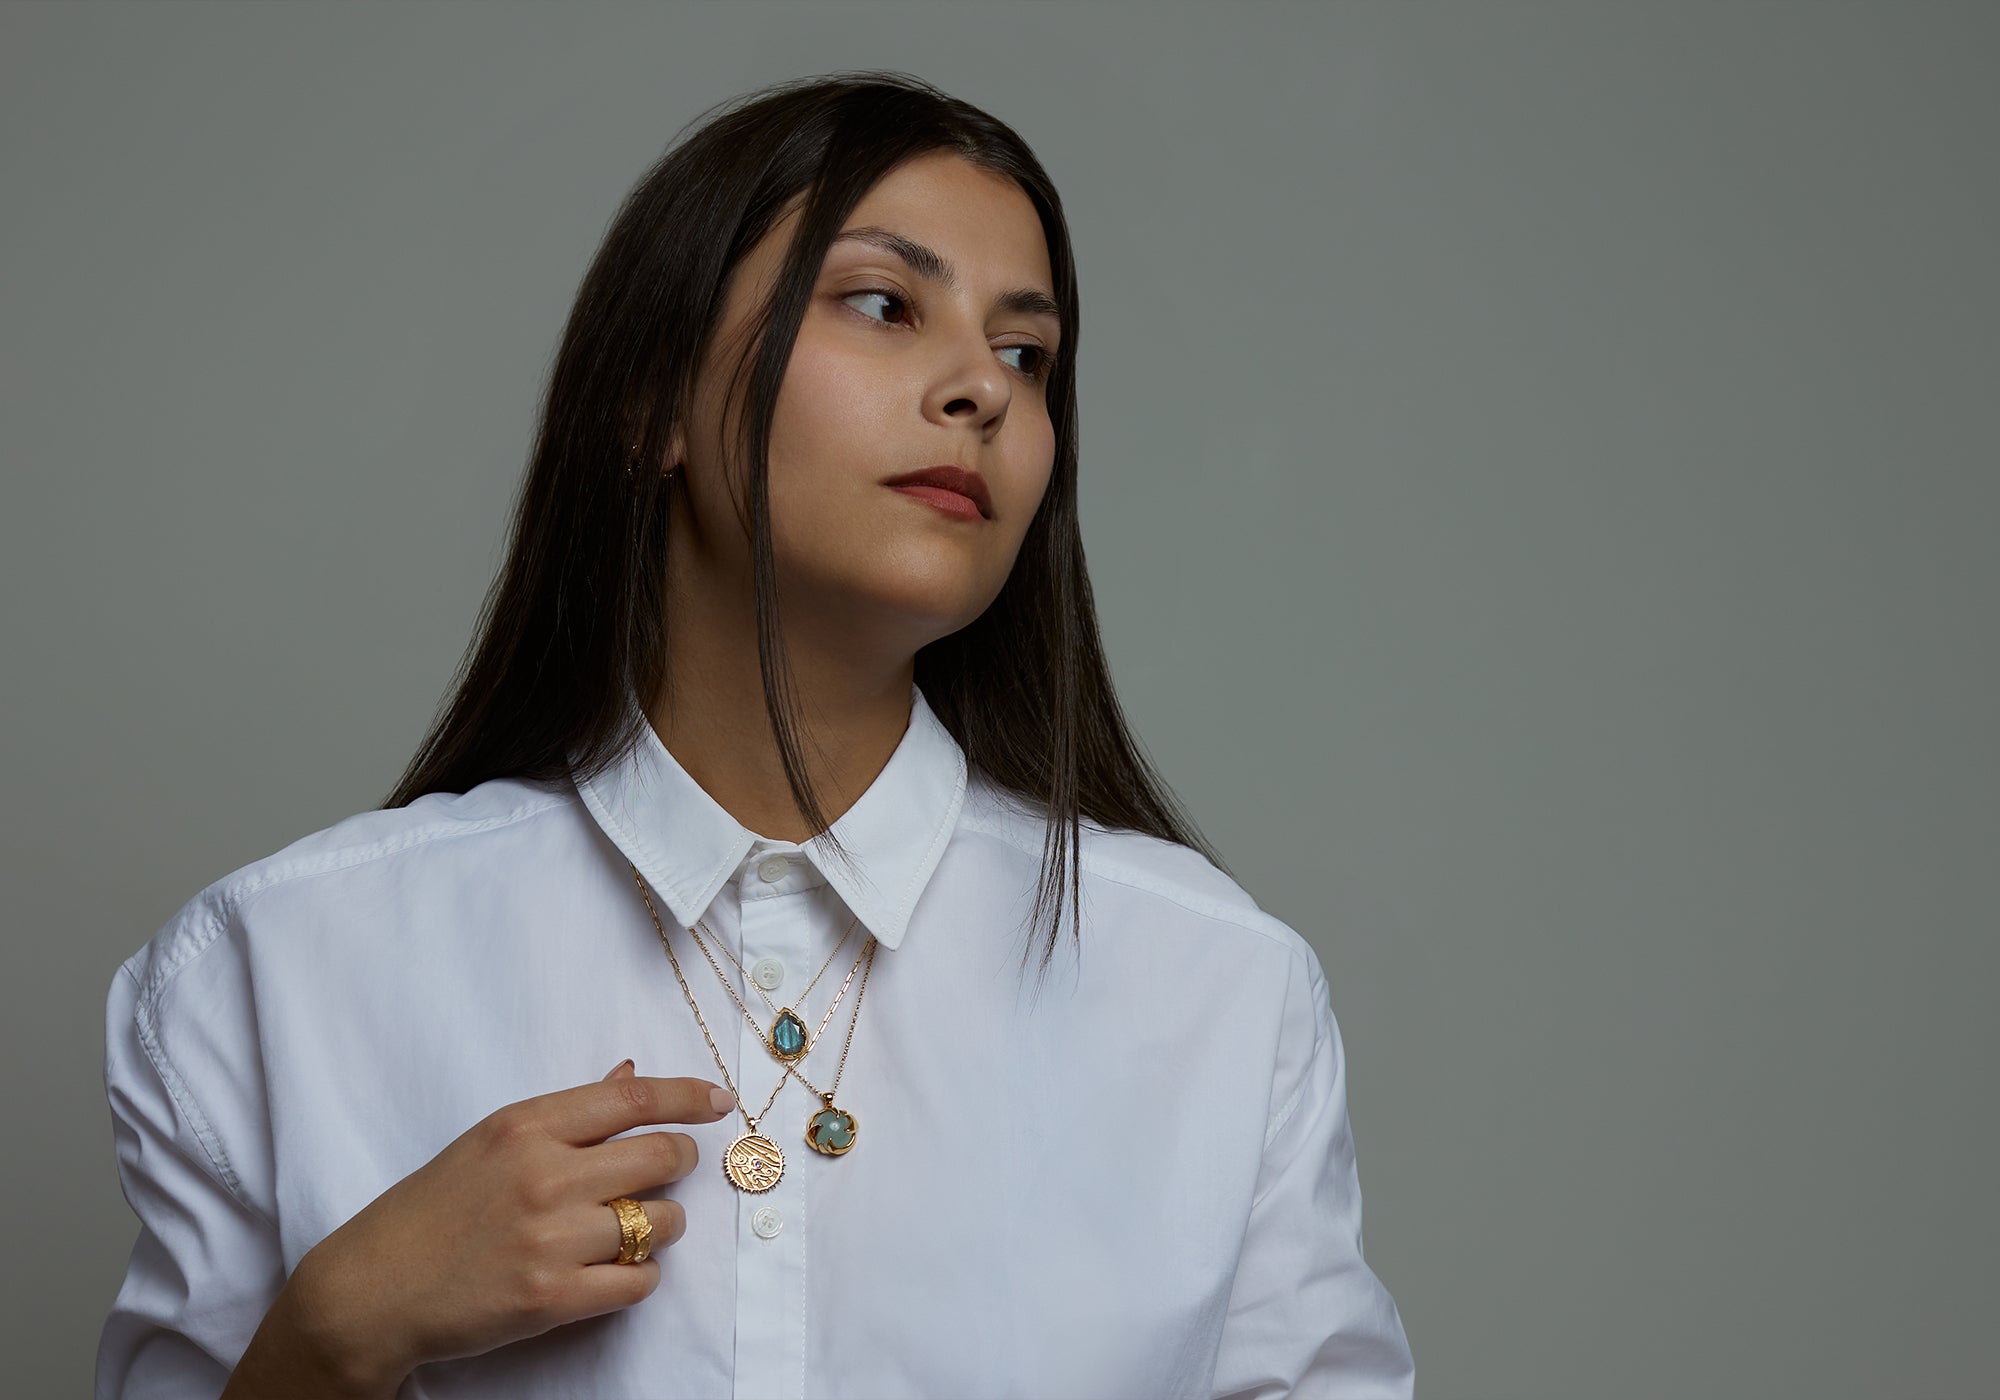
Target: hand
column 506, row 1234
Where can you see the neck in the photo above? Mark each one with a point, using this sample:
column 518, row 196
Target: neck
column 854, row 708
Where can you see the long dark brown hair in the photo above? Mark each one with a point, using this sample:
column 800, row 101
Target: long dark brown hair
column 576, row 617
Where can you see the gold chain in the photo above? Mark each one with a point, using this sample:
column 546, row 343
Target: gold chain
column 868, row 955
column 693, row 1006
column 809, row 986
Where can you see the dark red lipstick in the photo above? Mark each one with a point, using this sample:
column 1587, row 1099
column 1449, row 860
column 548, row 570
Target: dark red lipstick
column 938, row 484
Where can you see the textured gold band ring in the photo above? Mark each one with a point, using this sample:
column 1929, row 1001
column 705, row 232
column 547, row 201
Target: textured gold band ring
column 635, row 1230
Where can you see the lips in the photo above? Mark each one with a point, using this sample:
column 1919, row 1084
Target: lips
column 950, row 477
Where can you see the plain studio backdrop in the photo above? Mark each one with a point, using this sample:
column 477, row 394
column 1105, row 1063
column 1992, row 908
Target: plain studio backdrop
column 1539, row 477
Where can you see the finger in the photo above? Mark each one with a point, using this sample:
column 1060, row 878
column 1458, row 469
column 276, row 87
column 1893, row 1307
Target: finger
column 599, row 1239
column 590, row 1113
column 628, row 1165
column 669, row 1223
column 604, row 1288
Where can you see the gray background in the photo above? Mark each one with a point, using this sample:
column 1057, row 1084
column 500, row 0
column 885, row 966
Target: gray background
column 1539, row 476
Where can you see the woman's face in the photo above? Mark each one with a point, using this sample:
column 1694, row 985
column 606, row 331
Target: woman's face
column 892, row 371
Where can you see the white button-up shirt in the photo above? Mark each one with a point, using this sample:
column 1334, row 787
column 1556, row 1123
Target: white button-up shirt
column 1138, row 1182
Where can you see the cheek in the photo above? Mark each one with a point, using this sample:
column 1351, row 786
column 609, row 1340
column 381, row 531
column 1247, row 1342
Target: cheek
column 1037, row 466
column 829, row 409
column 1044, row 453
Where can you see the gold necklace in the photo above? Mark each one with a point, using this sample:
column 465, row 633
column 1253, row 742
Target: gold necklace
column 830, row 1130
column 787, row 1039
column 753, row 1162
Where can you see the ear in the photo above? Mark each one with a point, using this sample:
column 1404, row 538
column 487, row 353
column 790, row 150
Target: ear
column 676, row 449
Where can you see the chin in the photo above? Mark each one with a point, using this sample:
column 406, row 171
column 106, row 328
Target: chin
column 938, row 601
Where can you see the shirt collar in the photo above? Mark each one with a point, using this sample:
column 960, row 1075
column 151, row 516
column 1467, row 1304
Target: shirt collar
column 687, row 845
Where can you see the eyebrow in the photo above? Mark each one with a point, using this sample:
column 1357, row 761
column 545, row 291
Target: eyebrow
column 932, row 266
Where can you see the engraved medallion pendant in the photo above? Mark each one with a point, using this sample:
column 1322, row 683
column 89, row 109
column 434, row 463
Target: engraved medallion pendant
column 831, row 1130
column 753, row 1163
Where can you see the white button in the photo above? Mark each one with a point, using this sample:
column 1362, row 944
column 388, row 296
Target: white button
column 766, row 1222
column 773, row 869
column 769, row 972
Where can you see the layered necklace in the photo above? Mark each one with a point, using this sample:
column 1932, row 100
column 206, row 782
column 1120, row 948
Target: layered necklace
column 754, row 1162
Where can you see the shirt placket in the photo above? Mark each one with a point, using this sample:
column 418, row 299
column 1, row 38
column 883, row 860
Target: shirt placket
column 770, row 1226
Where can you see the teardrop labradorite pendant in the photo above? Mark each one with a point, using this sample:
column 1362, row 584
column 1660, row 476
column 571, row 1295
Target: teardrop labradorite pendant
column 831, row 1130
column 788, row 1036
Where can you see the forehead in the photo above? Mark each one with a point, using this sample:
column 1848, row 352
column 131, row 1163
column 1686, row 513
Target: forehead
column 983, row 223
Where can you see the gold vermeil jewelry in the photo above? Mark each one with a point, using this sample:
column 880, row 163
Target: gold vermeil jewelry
column 787, row 1039
column 635, row 1230
column 754, row 1163
column 632, row 466
column 830, row 1130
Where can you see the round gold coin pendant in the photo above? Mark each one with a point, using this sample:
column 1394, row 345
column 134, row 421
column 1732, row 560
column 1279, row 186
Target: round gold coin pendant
column 753, row 1163
column 832, row 1130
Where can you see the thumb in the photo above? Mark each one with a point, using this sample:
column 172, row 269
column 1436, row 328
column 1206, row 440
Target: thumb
column 623, row 1067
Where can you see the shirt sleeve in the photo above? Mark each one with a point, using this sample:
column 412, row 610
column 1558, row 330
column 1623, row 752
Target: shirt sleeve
column 207, row 1264
column 1307, row 1316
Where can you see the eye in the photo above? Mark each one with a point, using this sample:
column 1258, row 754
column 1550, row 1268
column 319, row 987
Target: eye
column 1044, row 359
column 882, row 292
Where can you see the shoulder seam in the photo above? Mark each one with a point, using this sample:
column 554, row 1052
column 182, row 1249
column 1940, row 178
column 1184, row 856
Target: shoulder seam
column 1118, row 874
column 144, row 1023
column 214, row 905
column 228, row 897
column 1253, row 920
column 1284, row 1114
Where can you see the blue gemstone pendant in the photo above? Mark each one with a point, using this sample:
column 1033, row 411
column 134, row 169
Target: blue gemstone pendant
column 831, row 1130
column 788, row 1036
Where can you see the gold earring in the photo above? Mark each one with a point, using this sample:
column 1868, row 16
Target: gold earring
column 633, row 463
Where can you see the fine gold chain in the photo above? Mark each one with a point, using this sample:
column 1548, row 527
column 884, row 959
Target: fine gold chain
column 646, row 895
column 809, row 986
column 816, row 976
column 750, row 1016
column 815, row 1037
column 868, row 955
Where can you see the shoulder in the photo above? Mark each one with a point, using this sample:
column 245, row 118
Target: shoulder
column 355, row 842
column 1136, row 867
column 1168, row 903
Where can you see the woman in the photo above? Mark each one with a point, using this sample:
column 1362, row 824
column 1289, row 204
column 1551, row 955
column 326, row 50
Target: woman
column 789, row 694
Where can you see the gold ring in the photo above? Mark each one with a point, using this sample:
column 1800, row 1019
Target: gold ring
column 635, row 1230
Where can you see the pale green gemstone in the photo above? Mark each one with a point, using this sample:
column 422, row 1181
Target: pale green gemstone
column 832, row 1128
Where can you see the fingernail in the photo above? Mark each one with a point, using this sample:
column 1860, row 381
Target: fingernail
column 722, row 1099
column 617, row 1067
